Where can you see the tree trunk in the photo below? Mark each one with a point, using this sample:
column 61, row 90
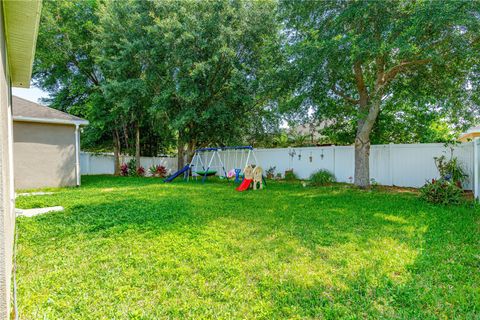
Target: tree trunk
column 362, row 145
column 125, row 135
column 190, row 150
column 362, row 163
column 137, row 145
column 116, row 152
column 180, row 153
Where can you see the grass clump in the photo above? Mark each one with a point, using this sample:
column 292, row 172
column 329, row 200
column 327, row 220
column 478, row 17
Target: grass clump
column 321, row 178
column 290, row 175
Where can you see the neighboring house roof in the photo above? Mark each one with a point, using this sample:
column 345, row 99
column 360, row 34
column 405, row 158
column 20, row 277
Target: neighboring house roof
column 470, row 134
column 28, row 111
column 21, row 20
column 312, row 128
column 473, row 129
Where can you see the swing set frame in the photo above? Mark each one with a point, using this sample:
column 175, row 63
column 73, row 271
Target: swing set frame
column 208, row 164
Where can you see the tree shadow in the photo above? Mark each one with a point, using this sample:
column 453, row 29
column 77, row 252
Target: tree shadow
column 306, row 254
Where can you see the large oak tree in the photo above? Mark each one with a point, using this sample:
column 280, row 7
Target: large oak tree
column 350, row 58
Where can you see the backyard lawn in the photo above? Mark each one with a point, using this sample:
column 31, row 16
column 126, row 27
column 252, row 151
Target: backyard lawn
column 135, row 248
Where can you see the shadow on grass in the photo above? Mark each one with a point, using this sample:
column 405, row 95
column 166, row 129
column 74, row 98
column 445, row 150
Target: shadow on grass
column 294, row 252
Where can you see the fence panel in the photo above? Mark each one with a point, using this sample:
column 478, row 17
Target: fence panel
column 344, row 163
column 92, row 163
column 380, row 164
column 404, row 165
column 413, row 164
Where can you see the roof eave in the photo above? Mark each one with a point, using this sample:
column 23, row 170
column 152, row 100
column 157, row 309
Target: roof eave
column 51, row 121
column 21, row 20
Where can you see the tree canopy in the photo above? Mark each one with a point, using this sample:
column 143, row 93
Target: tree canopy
column 353, row 61
column 155, row 76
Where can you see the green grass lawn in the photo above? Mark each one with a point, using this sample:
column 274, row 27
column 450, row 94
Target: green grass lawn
column 135, row 248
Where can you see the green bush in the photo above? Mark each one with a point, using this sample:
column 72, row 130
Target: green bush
column 451, row 170
column 132, row 167
column 443, row 192
column 321, row 178
column 290, row 175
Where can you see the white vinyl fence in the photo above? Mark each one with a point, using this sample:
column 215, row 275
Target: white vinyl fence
column 404, row 165
column 104, row 163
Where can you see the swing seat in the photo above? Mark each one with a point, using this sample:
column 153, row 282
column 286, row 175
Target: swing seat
column 208, row 173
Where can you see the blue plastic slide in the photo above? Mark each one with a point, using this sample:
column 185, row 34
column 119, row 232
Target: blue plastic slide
column 176, row 174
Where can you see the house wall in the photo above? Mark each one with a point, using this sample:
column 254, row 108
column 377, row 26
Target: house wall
column 44, row 155
column 7, row 199
column 469, row 136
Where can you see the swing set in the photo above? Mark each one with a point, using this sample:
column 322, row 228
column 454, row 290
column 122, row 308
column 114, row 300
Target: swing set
column 225, row 162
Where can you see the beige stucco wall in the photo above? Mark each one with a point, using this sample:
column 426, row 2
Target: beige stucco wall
column 7, row 199
column 469, row 136
column 44, row 155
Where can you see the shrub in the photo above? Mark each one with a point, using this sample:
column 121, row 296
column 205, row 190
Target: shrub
column 442, row 191
column 290, row 175
column 158, row 171
column 270, row 172
column 321, row 178
column 124, row 169
column 132, row 167
column 451, row 170
column 141, row 171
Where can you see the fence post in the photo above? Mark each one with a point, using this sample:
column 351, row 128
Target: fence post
column 476, row 168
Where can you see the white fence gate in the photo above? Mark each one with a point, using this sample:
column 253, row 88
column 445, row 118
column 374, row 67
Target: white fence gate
column 104, row 163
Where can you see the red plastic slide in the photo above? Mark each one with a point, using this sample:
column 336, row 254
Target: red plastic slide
column 244, row 185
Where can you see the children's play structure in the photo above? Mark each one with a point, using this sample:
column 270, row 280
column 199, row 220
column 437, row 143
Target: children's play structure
column 251, row 177
column 225, row 162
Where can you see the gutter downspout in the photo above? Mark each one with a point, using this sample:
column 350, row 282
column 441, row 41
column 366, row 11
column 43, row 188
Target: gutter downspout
column 77, row 153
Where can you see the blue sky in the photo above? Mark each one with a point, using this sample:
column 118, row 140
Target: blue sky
column 32, row 94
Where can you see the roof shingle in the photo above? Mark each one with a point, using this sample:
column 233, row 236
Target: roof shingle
column 27, row 109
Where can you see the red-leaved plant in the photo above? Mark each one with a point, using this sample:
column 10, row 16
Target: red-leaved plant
column 141, row 171
column 158, row 171
column 124, row 169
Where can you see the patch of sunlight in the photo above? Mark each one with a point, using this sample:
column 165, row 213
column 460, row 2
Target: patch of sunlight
column 395, row 257
column 274, row 254
column 339, row 266
column 313, row 195
column 390, row 218
column 120, row 189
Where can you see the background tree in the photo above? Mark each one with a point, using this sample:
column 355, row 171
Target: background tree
column 350, row 58
column 70, row 66
column 120, row 50
column 210, row 86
